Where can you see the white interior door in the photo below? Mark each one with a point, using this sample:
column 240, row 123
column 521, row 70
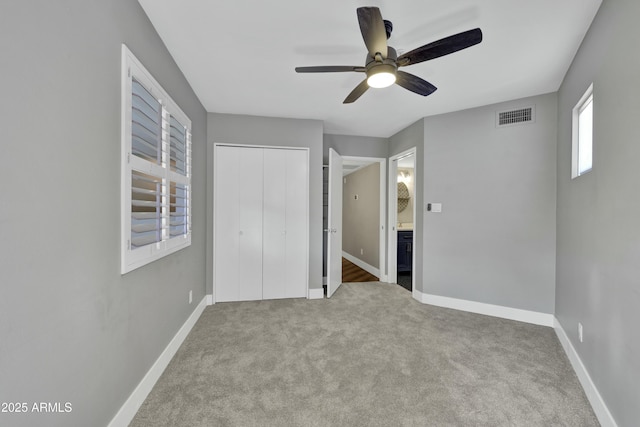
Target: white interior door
column 238, row 224
column 250, row 217
column 297, row 213
column 334, row 228
column 227, row 225
column 275, row 225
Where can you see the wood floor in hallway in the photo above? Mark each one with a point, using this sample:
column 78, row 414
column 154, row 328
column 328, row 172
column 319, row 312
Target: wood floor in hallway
column 352, row 273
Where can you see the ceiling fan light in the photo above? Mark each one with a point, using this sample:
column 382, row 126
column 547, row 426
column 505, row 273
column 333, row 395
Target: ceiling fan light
column 381, row 75
column 380, row 80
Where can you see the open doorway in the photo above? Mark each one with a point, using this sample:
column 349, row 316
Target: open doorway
column 364, row 214
column 402, row 214
column 335, row 174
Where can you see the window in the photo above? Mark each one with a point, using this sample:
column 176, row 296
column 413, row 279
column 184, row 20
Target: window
column 156, row 169
column 582, row 147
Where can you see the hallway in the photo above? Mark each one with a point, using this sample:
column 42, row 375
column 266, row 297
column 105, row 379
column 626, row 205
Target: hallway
column 352, row 273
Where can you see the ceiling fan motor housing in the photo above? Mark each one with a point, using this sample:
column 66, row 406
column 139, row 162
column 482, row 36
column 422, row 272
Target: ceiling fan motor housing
column 388, row 64
column 391, row 58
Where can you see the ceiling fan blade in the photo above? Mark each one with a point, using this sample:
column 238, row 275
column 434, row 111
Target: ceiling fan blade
column 441, row 47
column 330, row 69
column 373, row 31
column 414, row 83
column 357, row 92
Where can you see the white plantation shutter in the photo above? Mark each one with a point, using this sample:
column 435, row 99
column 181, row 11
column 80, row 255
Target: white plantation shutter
column 180, row 193
column 179, row 211
column 146, row 209
column 178, row 153
column 146, row 124
column 156, row 169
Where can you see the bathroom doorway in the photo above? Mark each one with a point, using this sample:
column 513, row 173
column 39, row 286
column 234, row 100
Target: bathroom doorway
column 402, row 214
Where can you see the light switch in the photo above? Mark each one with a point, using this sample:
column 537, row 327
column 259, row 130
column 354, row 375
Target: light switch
column 433, row 207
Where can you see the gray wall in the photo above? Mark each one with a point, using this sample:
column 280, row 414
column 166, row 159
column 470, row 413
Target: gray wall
column 72, row 329
column 268, row 131
column 361, row 217
column 413, row 136
column 356, row 146
column 485, row 176
column 598, row 213
column 494, row 241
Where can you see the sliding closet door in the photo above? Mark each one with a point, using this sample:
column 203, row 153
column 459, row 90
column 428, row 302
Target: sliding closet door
column 238, row 224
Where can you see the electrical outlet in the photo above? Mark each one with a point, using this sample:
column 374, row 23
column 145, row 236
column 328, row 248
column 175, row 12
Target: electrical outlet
column 190, row 297
column 580, row 336
column 361, row 251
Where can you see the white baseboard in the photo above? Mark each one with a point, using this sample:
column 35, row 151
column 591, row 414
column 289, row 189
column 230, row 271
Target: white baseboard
column 135, row 400
column 210, row 299
column 597, row 403
column 363, row 265
column 527, row 316
column 316, row 293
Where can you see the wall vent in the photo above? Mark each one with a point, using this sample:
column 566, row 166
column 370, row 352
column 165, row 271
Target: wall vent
column 515, row 117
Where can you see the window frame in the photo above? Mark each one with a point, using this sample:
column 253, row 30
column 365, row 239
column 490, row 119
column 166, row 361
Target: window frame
column 133, row 258
column 586, row 100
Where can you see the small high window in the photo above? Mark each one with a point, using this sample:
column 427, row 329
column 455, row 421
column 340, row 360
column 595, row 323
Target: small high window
column 582, row 150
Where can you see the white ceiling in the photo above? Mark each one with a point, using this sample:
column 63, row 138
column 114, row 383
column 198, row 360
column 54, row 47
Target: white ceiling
column 239, row 56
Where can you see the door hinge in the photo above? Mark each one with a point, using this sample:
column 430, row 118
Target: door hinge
column 129, row 244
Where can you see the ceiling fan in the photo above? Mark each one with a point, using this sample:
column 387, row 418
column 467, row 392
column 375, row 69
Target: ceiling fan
column 383, row 63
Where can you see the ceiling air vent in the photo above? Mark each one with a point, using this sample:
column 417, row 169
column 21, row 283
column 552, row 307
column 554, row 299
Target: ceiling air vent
column 515, row 117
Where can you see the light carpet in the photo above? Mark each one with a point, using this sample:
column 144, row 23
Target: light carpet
column 369, row 356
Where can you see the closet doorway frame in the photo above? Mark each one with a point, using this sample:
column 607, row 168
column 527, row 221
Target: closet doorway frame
column 214, row 205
